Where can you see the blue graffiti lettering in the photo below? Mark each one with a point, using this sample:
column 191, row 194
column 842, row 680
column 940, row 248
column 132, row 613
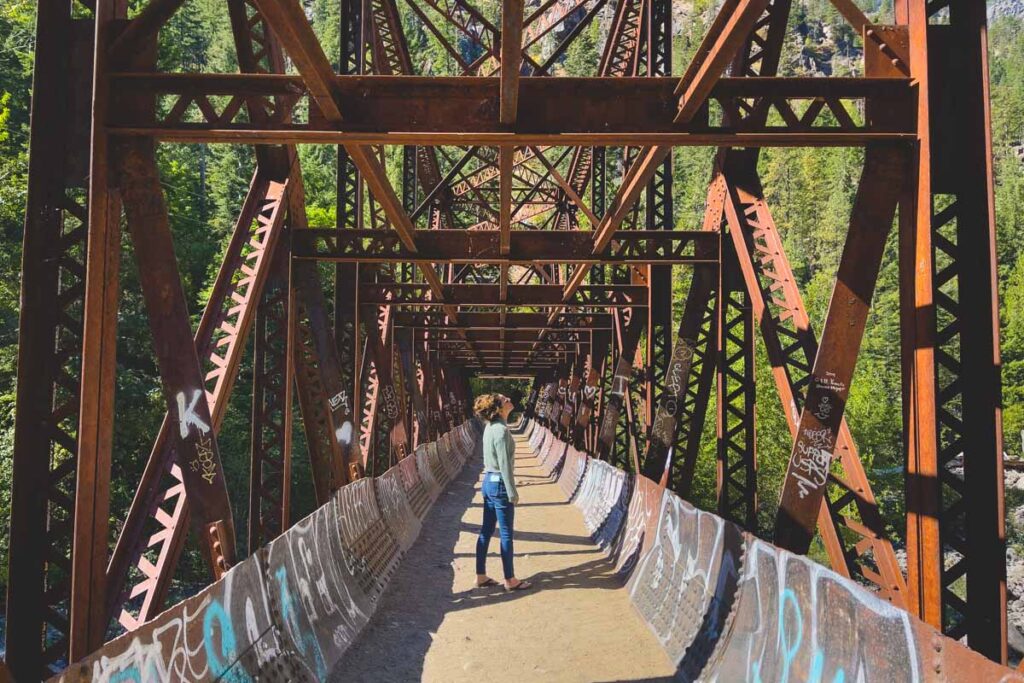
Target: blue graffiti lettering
column 221, row 662
column 129, row 674
column 304, row 641
column 790, row 648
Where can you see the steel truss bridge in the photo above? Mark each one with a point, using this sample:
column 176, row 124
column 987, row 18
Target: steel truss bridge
column 532, row 235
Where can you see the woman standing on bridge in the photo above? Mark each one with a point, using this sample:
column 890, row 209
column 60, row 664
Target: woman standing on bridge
column 499, row 488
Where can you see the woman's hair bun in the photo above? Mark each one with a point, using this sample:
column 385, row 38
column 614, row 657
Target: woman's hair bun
column 488, row 406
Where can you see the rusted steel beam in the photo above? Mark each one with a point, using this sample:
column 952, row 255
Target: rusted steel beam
column 327, row 408
column 156, row 555
column 726, row 36
column 857, row 549
column 699, row 385
column 692, row 368
column 675, row 405
column 489, row 295
column 45, row 457
column 271, row 445
column 519, row 321
column 220, row 342
column 379, row 346
column 190, row 418
column 496, row 355
column 511, row 60
column 495, row 343
column 918, row 336
column 505, row 198
column 413, row 382
column 473, row 246
column 737, row 454
column 616, row 402
column 288, row 21
column 142, row 29
column 951, row 353
column 86, row 627
column 433, row 111
column 349, row 211
column 659, row 214
column 596, row 360
column 854, row 548
column 370, row 392
column 448, row 335
column 810, row 463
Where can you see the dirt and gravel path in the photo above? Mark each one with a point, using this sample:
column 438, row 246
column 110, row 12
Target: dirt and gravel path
column 577, row 624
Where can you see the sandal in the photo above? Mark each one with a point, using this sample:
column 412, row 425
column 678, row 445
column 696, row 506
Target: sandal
column 488, row 582
column 521, row 586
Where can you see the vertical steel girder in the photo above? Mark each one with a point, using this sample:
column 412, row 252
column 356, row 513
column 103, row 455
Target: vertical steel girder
column 682, row 402
column 955, row 509
column 737, row 453
column 270, row 463
column 45, row 458
column 389, row 403
column 350, row 213
column 691, row 379
column 599, row 348
column 680, row 423
column 327, row 409
column 99, row 342
column 616, row 436
column 417, row 420
column 659, row 216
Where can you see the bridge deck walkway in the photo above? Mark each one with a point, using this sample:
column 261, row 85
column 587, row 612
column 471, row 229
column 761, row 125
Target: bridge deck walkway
column 575, row 625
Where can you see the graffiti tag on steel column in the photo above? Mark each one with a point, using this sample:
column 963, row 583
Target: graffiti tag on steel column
column 391, row 409
column 811, row 460
column 615, row 400
column 666, row 418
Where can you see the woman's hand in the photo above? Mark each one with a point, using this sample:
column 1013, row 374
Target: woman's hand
column 515, row 498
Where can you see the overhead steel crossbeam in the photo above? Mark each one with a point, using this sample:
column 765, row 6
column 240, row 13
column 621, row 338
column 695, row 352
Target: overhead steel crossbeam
column 518, row 321
column 480, row 247
column 407, row 294
column 457, row 111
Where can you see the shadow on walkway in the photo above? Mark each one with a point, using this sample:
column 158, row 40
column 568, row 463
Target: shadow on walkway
column 432, row 586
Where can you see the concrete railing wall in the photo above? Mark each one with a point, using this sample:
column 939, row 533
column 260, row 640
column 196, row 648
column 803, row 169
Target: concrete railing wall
column 727, row 606
column 290, row 611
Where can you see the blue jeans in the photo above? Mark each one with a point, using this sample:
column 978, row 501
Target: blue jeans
column 497, row 510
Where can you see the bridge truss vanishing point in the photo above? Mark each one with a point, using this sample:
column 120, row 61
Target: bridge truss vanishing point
column 532, row 235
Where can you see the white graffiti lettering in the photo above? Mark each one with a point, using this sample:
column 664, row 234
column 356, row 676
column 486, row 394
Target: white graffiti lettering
column 187, row 414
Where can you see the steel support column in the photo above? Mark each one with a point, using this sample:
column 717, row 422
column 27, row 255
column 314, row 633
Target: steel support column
column 45, row 457
column 737, row 452
column 955, row 508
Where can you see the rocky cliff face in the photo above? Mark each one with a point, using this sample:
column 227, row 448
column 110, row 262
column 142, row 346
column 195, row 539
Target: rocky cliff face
column 1005, row 8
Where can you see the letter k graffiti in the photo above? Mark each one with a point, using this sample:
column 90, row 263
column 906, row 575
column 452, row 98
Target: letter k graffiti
column 187, row 415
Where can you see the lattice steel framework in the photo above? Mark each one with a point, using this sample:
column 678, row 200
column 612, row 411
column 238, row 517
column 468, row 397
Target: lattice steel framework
column 478, row 265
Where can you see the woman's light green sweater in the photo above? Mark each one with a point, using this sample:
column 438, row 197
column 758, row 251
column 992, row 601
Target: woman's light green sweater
column 500, row 455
